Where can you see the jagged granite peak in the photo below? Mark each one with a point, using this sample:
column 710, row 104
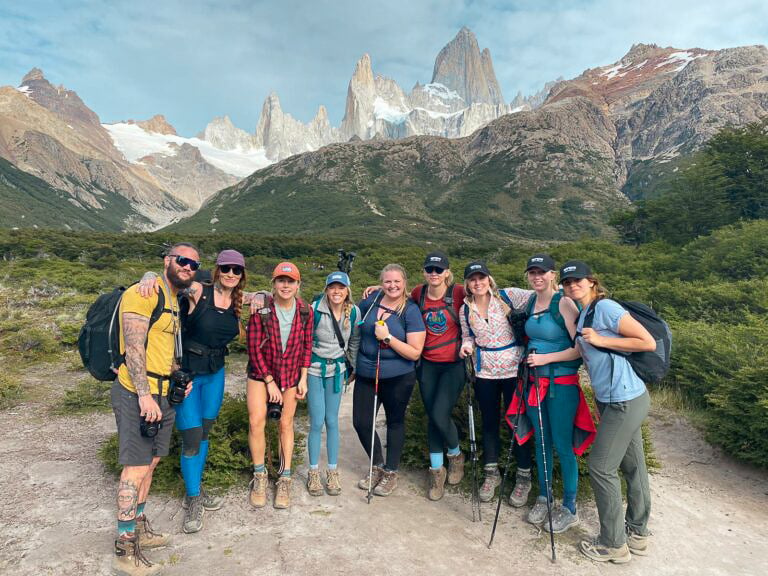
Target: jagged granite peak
column 462, row 67
column 64, row 103
column 361, row 94
column 157, row 124
column 223, row 134
column 34, row 74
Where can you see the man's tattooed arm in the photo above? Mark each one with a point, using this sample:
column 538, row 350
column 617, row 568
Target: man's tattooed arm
column 135, row 328
column 127, row 500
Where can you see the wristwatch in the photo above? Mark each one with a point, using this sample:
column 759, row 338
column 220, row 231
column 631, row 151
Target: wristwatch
column 387, row 339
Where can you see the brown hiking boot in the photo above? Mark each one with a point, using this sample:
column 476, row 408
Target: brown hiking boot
column 519, row 495
column 377, row 475
column 257, row 495
column 314, row 484
column 593, row 550
column 283, row 492
column 148, row 538
column 455, row 468
column 491, row 481
column 333, row 482
column 387, row 484
column 436, row 483
column 129, row 560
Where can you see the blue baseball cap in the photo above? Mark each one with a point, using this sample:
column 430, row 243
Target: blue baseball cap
column 340, row 277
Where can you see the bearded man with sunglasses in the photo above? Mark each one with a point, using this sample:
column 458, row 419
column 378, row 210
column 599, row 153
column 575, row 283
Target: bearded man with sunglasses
column 139, row 399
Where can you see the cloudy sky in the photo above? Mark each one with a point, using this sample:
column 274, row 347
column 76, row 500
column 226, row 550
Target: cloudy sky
column 192, row 60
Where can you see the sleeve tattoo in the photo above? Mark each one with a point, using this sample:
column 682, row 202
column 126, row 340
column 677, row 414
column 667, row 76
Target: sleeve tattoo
column 135, row 328
column 127, row 500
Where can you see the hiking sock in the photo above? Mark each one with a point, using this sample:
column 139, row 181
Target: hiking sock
column 524, row 473
column 454, row 451
column 259, row 468
column 286, row 473
column 126, row 528
column 190, row 471
column 316, row 467
column 435, row 460
column 569, row 501
column 332, row 466
column 140, row 509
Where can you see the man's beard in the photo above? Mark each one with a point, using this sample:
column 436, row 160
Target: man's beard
column 176, row 281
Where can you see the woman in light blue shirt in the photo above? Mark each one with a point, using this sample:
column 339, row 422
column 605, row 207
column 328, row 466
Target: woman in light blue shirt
column 623, row 402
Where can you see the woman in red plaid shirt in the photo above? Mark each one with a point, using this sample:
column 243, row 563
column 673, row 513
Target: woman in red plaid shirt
column 279, row 355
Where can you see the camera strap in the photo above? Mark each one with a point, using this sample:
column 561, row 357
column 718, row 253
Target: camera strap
column 174, row 304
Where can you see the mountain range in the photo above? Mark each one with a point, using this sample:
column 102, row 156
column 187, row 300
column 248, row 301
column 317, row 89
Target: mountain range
column 448, row 159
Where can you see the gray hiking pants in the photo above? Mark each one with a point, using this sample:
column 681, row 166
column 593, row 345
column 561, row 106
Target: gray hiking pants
column 619, row 445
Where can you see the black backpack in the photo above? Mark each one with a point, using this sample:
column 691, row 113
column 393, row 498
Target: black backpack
column 99, row 339
column 649, row 366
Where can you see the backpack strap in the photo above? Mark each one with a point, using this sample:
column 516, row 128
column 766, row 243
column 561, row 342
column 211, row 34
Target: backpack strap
column 466, row 319
column 507, row 301
column 422, row 288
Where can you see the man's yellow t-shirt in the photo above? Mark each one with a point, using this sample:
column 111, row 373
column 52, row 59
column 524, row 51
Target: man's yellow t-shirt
column 160, row 341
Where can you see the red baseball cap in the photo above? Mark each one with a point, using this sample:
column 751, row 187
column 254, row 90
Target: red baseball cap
column 288, row 269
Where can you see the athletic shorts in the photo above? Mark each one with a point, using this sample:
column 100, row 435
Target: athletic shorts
column 135, row 449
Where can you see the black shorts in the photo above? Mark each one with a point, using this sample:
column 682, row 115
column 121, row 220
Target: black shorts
column 135, row 449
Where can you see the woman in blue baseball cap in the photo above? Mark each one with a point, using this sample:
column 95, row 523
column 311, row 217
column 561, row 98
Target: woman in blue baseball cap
column 336, row 338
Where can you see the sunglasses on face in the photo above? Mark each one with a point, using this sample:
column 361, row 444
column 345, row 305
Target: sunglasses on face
column 183, row 261
column 569, row 281
column 433, row 270
column 236, row 270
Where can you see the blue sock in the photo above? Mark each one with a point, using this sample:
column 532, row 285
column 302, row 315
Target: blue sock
column 140, row 509
column 454, row 451
column 286, row 473
column 126, row 528
column 331, row 466
column 569, row 501
column 190, row 471
column 435, row 459
column 259, row 468
column 315, row 466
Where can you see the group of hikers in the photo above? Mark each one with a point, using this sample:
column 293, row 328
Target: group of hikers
column 524, row 347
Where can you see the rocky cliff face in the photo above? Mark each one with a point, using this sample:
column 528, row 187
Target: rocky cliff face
column 157, row 124
column 223, row 134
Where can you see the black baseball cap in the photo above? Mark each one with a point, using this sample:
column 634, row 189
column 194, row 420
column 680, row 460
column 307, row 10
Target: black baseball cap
column 575, row 269
column 476, row 267
column 437, row 259
column 541, row 261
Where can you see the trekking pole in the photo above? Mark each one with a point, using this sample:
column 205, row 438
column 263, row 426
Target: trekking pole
column 475, row 494
column 373, row 424
column 547, row 484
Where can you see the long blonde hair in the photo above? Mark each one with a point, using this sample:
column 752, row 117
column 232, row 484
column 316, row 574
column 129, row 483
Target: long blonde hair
column 400, row 308
column 494, row 289
column 346, row 310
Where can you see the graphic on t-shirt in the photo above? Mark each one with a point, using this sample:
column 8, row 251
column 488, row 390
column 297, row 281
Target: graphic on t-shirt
column 436, row 321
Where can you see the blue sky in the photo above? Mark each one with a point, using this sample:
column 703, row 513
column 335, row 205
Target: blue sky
column 193, row 60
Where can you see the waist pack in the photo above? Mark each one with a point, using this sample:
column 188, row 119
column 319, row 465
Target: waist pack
column 650, row 366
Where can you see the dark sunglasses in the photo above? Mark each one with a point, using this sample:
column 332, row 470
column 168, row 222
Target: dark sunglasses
column 569, row 281
column 184, row 261
column 236, row 270
column 433, row 270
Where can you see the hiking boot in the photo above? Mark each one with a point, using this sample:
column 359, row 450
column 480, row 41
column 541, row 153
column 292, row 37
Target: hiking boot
column 377, row 474
column 387, row 484
column 193, row 517
column 455, row 468
column 314, row 484
column 562, row 519
column 491, row 481
column 333, row 482
column 538, row 512
column 211, row 502
column 593, row 550
column 437, row 478
column 148, row 538
column 637, row 543
column 283, row 492
column 257, row 495
column 519, row 495
column 129, row 560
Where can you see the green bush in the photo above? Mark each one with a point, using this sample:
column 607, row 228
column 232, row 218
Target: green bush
column 88, row 396
column 11, row 390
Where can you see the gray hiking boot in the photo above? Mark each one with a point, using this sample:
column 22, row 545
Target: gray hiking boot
column 387, row 484
column 130, row 561
column 149, row 538
column 637, row 543
column 538, row 512
column 455, row 468
column 593, row 550
column 377, row 474
column 491, row 481
column 211, row 502
column 193, row 516
column 562, row 519
column 333, row 482
column 437, row 478
column 314, row 484
column 519, row 495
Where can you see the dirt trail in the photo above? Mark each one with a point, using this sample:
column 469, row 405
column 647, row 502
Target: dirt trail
column 710, row 515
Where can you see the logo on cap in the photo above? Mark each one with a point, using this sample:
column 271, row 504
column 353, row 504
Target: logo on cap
column 286, row 268
column 537, row 259
column 569, row 269
column 475, row 266
column 435, row 259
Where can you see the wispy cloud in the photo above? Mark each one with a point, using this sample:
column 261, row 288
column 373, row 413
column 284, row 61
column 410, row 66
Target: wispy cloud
column 192, row 60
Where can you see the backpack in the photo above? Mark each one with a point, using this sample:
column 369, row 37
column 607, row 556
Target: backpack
column 265, row 314
column 99, row 339
column 517, row 318
column 649, row 366
column 449, row 307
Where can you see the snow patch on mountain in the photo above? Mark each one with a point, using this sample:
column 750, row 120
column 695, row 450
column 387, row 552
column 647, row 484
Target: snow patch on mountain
column 683, row 57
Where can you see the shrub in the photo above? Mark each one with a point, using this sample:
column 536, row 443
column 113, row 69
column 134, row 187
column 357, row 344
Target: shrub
column 11, row 390
column 88, row 396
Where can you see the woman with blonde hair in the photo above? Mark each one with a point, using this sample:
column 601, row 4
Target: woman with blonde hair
column 392, row 338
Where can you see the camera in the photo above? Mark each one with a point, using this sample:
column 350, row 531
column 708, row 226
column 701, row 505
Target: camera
column 177, row 388
column 149, row 429
column 274, row 410
column 345, row 261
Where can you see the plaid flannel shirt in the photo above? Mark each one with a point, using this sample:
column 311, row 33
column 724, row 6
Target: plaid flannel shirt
column 269, row 359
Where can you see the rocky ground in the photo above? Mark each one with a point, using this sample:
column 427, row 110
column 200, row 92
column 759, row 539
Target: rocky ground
column 710, row 514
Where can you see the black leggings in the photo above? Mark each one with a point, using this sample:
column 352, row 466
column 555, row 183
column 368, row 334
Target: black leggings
column 489, row 393
column 394, row 394
column 440, row 384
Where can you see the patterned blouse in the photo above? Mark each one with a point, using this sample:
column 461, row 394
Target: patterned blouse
column 494, row 333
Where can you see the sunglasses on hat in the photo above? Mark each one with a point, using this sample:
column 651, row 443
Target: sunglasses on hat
column 184, row 261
